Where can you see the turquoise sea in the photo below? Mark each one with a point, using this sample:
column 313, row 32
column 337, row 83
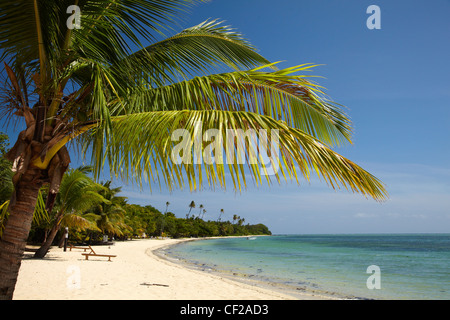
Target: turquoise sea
column 410, row 266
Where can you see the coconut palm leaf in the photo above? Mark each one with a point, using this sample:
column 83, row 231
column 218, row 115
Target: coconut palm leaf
column 150, row 144
column 195, row 50
column 40, row 211
column 282, row 95
column 106, row 27
column 91, row 219
column 78, row 192
column 77, row 222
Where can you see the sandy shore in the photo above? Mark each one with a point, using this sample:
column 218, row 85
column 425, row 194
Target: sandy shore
column 136, row 273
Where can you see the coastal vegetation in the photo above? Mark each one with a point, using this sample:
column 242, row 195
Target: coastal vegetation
column 125, row 221
column 115, row 88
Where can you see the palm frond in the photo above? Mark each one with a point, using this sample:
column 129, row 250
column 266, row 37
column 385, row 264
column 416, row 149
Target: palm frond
column 40, row 212
column 283, row 95
column 78, row 192
column 146, row 140
column 77, row 222
column 115, row 23
column 18, row 32
column 193, row 51
column 91, row 220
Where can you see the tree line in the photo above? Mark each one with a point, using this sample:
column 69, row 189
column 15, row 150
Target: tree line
column 93, row 211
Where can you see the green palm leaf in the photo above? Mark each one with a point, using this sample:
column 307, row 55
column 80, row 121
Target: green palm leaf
column 282, row 95
column 195, row 50
column 144, row 141
column 76, row 222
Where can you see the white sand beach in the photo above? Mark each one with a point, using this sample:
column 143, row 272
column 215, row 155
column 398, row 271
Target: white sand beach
column 135, row 273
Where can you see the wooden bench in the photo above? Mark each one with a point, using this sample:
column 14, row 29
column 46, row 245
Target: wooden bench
column 93, row 254
column 71, row 246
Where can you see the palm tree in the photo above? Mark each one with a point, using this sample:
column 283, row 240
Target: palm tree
column 220, row 215
column 111, row 212
column 204, row 211
column 191, row 206
column 167, row 206
column 111, row 88
column 77, row 194
column 200, row 211
column 164, row 218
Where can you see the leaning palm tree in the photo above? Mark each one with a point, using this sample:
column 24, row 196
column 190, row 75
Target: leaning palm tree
column 203, row 213
column 200, row 211
column 78, row 193
column 114, row 85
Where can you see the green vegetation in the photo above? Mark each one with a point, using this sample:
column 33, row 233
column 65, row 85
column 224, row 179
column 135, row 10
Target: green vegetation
column 111, row 215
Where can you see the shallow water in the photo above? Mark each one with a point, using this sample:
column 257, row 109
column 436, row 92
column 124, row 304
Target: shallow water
column 411, row 266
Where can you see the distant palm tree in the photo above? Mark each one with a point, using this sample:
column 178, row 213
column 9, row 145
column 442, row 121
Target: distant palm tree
column 200, row 207
column 191, row 206
column 164, row 218
column 167, row 206
column 204, row 211
column 220, row 215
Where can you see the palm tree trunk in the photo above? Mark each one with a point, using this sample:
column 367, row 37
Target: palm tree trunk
column 42, row 251
column 15, row 234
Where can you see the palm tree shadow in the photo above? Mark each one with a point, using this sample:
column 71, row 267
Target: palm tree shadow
column 30, row 256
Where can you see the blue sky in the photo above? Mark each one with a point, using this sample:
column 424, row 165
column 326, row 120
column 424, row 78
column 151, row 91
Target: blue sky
column 395, row 82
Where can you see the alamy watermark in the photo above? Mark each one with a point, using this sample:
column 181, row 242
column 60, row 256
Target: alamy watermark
column 373, row 281
column 74, row 21
column 236, row 146
column 374, row 21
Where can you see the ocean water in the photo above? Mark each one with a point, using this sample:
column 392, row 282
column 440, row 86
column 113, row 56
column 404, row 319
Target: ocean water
column 407, row 266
